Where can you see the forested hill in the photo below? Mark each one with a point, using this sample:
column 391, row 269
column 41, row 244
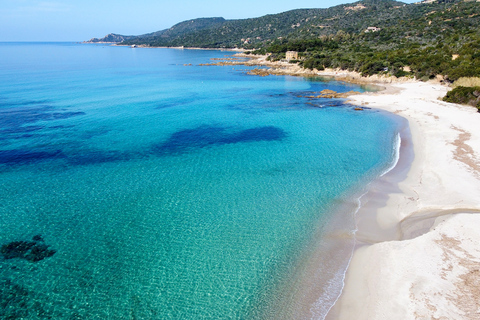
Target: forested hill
column 427, row 39
column 296, row 24
column 251, row 33
column 164, row 36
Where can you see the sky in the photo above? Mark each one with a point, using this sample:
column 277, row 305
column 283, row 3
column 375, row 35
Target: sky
column 80, row 20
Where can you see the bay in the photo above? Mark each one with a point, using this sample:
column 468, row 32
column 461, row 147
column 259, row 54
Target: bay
column 155, row 188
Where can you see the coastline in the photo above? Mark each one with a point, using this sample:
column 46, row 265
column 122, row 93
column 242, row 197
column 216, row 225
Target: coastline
column 416, row 254
column 116, row 44
column 317, row 290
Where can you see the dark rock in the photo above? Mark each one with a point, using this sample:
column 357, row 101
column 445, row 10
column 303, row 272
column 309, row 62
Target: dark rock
column 16, row 249
column 32, row 251
column 37, row 238
column 39, row 252
column 16, row 302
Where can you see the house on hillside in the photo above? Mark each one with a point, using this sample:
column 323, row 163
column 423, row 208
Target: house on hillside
column 372, row 29
column 291, row 55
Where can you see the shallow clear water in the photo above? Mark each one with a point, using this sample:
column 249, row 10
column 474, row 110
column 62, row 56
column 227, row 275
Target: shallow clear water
column 162, row 190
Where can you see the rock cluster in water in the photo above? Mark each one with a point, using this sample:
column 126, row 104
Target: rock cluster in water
column 329, row 94
column 33, row 251
column 16, row 302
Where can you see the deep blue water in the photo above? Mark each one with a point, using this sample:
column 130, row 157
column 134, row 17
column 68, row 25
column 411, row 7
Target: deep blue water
column 136, row 186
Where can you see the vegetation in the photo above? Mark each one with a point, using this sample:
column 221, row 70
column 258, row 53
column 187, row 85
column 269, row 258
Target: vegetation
column 467, row 82
column 440, row 39
column 423, row 40
column 112, row 37
column 464, row 95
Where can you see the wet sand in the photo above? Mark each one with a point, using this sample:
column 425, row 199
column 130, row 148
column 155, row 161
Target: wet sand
column 417, row 254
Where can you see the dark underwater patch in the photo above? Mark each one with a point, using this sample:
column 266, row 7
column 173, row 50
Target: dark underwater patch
column 204, row 136
column 193, row 138
column 165, row 105
column 179, row 142
column 16, row 302
column 24, row 157
column 33, row 251
column 19, row 116
column 19, row 156
column 268, row 133
column 65, row 115
column 177, row 102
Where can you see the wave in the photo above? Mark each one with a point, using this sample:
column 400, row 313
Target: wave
column 320, row 310
column 396, row 155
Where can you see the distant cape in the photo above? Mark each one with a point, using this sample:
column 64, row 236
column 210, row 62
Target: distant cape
column 185, row 27
column 110, row 38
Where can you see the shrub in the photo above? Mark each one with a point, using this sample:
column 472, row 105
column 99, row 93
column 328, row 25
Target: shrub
column 371, row 68
column 400, row 73
column 464, row 95
column 313, row 63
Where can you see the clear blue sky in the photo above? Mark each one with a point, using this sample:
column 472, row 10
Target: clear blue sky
column 68, row 20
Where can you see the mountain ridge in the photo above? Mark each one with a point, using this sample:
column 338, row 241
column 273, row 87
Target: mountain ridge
column 222, row 33
column 432, row 39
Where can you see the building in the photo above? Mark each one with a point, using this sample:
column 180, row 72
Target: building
column 372, row 29
column 291, row 55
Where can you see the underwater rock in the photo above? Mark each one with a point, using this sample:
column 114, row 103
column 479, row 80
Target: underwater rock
column 37, row 238
column 32, row 251
column 16, row 302
column 13, row 300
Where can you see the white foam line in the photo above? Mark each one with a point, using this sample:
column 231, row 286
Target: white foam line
column 398, row 143
column 344, row 275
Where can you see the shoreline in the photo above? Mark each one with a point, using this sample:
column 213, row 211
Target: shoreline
column 341, row 233
column 319, row 278
column 286, row 68
column 116, row 44
column 416, row 254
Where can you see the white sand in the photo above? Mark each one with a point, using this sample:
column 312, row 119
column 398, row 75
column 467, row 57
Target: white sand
column 431, row 268
column 418, row 253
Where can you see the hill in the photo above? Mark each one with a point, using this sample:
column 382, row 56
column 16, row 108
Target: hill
column 163, row 36
column 254, row 32
column 110, row 38
column 427, row 39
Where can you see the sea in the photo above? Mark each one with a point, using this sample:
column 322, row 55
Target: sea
column 136, row 183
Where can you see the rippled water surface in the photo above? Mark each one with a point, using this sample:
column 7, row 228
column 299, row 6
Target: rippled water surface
column 136, row 186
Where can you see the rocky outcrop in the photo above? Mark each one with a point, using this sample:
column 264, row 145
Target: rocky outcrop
column 329, row 94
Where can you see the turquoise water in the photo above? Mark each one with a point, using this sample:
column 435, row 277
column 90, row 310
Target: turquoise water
column 136, row 186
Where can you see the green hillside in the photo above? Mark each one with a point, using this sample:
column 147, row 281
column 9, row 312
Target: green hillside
column 424, row 40
column 441, row 37
column 255, row 32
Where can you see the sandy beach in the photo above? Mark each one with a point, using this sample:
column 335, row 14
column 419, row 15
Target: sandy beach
column 418, row 252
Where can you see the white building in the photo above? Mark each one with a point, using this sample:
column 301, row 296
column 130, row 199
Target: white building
column 372, row 29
